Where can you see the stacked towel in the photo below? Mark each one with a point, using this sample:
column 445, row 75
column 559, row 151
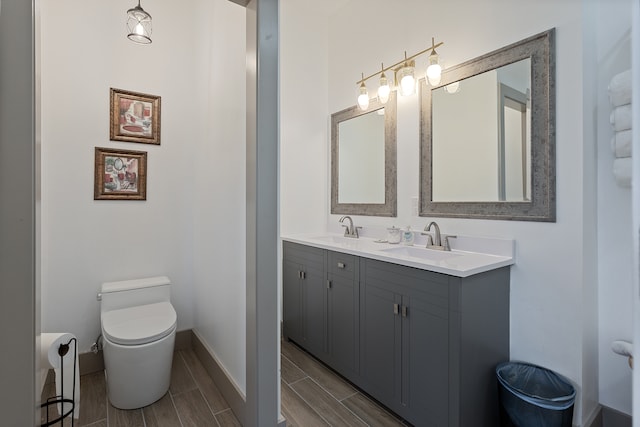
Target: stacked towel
column 620, row 119
column 621, row 143
column 622, row 171
column 620, row 89
column 623, row 348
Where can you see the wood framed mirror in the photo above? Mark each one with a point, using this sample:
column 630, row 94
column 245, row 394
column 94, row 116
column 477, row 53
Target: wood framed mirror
column 363, row 160
column 487, row 132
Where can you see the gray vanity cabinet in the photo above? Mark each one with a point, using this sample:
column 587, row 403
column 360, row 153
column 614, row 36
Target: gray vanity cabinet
column 321, row 304
column 423, row 344
column 430, row 342
column 404, row 340
column 304, row 296
column 343, row 312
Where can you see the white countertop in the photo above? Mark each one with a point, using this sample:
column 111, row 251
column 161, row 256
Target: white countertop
column 468, row 255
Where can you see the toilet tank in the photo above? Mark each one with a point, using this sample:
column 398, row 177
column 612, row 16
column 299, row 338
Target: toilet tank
column 130, row 293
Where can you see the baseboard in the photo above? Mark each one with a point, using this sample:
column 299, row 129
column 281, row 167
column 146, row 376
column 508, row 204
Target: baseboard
column 94, row 362
column 608, row 417
column 90, row 362
column 183, row 340
column 231, row 392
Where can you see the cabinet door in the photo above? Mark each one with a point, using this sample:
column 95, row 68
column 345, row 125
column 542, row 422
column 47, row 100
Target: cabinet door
column 314, row 309
column 380, row 344
column 304, row 296
column 292, row 300
column 343, row 313
column 425, row 362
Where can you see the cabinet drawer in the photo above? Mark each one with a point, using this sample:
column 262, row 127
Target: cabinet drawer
column 343, row 265
column 308, row 256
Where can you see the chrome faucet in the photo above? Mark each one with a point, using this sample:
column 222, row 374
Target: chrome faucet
column 437, row 241
column 349, row 230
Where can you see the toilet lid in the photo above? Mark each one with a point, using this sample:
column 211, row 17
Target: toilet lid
column 140, row 324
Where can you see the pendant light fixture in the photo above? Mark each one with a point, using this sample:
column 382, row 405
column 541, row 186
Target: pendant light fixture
column 406, row 77
column 404, row 73
column 384, row 90
column 434, row 70
column 363, row 98
column 139, row 25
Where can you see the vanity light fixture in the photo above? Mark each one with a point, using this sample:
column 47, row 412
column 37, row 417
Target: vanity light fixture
column 434, row 70
column 404, row 76
column 139, row 25
column 384, row 90
column 363, row 98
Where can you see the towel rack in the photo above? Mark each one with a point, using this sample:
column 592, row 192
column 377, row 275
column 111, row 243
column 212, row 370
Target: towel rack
column 63, row 349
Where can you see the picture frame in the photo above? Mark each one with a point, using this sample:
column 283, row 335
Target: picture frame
column 120, row 174
column 134, row 117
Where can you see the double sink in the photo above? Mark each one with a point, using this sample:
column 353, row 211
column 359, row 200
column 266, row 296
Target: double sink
column 471, row 255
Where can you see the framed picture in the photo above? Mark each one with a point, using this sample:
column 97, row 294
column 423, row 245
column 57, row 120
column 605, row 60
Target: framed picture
column 120, row 175
column 134, row 117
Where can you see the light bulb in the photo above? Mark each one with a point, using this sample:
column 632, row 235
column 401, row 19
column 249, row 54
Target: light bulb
column 407, row 84
column 363, row 98
column 434, row 70
column 384, row 90
column 139, row 29
column 407, row 80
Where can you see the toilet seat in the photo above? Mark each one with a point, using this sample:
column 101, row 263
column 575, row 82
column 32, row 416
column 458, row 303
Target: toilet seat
column 140, row 324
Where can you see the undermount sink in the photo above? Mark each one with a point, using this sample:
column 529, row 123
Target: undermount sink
column 421, row 253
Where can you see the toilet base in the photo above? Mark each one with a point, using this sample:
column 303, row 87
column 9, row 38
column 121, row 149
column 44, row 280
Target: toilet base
column 138, row 375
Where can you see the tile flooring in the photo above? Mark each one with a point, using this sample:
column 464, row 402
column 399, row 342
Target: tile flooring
column 312, row 395
column 193, row 400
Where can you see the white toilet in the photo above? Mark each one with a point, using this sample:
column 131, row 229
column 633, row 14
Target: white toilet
column 138, row 332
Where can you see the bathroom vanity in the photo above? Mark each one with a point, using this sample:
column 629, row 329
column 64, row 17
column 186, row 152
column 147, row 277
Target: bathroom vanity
column 421, row 332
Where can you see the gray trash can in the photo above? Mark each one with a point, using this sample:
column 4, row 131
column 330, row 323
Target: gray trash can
column 533, row 396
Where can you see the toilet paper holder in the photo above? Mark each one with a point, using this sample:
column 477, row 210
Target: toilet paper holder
column 63, row 349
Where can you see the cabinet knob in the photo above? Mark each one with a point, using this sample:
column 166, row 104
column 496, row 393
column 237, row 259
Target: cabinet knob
column 396, row 309
column 328, row 284
column 341, row 265
column 404, row 311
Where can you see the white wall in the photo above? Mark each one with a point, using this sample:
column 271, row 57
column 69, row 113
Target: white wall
column 219, row 201
column 615, row 243
column 192, row 226
column 304, row 122
column 87, row 242
column 552, row 288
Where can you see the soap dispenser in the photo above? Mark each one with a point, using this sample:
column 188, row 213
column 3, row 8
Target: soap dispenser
column 407, row 236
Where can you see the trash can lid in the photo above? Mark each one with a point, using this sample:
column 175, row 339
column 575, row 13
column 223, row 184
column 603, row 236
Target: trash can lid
column 535, row 382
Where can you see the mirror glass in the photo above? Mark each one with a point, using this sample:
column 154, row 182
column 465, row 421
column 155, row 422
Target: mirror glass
column 487, row 136
column 363, row 160
column 361, row 181
column 494, row 107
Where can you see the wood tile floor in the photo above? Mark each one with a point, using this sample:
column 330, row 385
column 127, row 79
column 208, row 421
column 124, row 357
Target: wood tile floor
column 193, row 400
column 312, row 395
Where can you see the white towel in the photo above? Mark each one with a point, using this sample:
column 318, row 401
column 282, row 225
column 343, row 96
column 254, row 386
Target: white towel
column 621, row 143
column 620, row 89
column 623, row 348
column 622, row 172
column 620, row 118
